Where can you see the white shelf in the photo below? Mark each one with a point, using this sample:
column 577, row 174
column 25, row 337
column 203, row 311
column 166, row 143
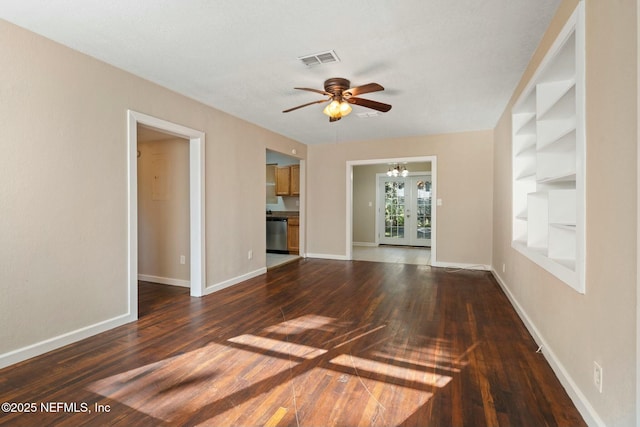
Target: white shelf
column 564, row 144
column 568, row 227
column 569, row 264
column 526, row 105
column 527, row 176
column 538, row 220
column 527, row 149
column 551, row 131
column 522, row 216
column 562, row 207
column 529, row 127
column 555, row 99
column 562, row 177
column 548, row 158
column 562, row 66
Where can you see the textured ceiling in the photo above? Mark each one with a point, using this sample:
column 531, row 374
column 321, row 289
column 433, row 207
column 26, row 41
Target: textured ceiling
column 446, row 66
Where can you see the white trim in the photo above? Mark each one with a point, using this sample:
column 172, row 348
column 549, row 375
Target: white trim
column 196, row 199
column 302, row 212
column 329, row 256
column 59, row 341
column 461, row 265
column 637, row 218
column 577, row 397
column 370, row 244
column 164, row 280
column 349, row 208
column 234, row 281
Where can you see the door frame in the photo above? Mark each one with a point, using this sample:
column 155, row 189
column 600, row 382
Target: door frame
column 196, row 201
column 302, row 211
column 349, row 190
column 380, row 203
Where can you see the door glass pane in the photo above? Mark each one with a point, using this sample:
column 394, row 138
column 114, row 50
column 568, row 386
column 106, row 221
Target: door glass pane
column 394, row 209
column 423, row 214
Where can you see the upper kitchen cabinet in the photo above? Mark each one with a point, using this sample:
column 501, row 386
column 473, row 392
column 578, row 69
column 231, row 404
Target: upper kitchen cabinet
column 288, row 180
column 295, row 180
column 271, row 183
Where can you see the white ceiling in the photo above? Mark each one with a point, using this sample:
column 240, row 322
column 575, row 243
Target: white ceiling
column 446, row 65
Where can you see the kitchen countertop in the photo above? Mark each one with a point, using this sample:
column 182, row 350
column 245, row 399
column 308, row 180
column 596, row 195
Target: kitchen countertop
column 283, row 214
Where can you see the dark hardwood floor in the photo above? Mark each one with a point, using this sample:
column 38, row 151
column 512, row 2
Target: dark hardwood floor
column 313, row 343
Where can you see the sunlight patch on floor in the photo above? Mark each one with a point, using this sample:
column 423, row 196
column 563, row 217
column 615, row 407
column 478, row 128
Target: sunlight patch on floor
column 277, row 346
column 302, row 324
column 355, row 385
column 368, row 367
column 172, row 387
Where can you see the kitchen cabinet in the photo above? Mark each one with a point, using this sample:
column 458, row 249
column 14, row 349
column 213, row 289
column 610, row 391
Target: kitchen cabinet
column 283, row 180
column 295, row 180
column 288, row 180
column 271, row 184
column 293, row 237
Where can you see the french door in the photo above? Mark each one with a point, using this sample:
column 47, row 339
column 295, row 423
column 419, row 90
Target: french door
column 405, row 210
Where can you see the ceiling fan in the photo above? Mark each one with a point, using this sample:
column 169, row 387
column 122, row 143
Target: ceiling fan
column 341, row 95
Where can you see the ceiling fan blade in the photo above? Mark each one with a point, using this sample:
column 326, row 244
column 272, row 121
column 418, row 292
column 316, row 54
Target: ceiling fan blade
column 321, row 92
column 308, row 103
column 370, row 87
column 375, row 105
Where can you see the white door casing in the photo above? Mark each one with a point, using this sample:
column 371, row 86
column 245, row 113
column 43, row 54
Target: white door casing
column 196, row 201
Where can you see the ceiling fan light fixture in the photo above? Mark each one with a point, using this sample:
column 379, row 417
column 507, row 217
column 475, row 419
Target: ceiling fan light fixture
column 337, row 109
column 345, row 108
column 340, row 97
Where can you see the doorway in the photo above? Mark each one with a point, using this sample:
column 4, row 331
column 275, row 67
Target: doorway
column 163, row 208
column 284, row 204
column 196, row 202
column 354, row 202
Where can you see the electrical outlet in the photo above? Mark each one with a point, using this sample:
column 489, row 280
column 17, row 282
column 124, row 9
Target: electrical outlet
column 183, row 259
column 597, row 376
column 504, row 267
column 250, row 254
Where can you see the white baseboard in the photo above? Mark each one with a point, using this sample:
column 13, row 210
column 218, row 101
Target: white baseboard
column 234, row 281
column 47, row 345
column 328, row 256
column 371, row 244
column 461, row 265
column 164, row 280
column 577, row 397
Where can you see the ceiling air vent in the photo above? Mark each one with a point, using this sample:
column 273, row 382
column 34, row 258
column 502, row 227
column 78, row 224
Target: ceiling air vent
column 369, row 114
column 319, row 58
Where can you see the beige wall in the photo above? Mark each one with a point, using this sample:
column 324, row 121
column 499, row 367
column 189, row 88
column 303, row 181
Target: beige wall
column 601, row 324
column 365, row 187
column 464, row 180
column 163, row 219
column 63, row 187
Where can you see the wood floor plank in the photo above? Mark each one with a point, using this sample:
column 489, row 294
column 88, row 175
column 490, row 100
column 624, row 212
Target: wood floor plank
column 315, row 342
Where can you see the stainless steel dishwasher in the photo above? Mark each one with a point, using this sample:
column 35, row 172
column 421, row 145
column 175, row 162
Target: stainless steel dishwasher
column 277, row 235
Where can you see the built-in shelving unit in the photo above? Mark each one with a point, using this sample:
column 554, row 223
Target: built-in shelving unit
column 549, row 158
